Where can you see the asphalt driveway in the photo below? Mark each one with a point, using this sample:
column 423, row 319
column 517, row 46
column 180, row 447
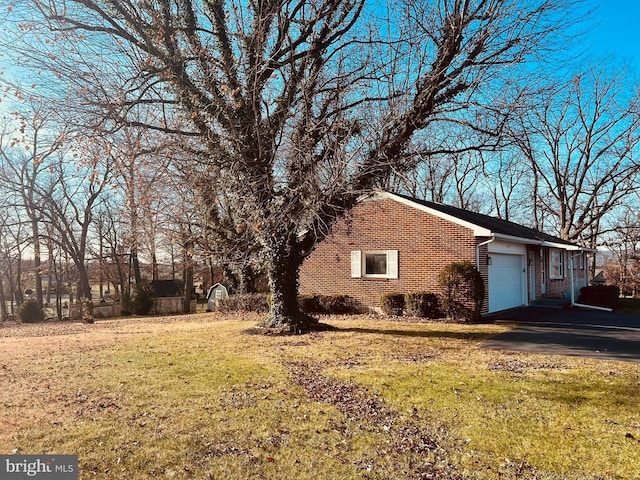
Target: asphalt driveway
column 568, row 331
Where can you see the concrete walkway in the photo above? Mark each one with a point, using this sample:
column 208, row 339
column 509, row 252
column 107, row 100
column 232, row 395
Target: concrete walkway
column 569, row 331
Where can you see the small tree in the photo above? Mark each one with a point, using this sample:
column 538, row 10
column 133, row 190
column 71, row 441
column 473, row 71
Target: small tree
column 462, row 291
column 31, row 312
column 142, row 301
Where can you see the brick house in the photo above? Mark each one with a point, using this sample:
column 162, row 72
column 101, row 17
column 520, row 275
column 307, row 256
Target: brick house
column 394, row 243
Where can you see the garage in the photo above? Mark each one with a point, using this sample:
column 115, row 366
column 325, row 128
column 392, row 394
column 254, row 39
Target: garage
column 505, row 281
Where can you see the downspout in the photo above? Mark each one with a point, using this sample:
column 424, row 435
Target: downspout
column 486, row 242
column 573, row 294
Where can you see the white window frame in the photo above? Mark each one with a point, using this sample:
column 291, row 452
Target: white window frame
column 359, row 264
column 556, row 263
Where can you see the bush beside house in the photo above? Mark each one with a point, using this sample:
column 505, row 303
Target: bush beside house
column 462, row 291
column 460, row 299
column 311, row 304
column 392, row 303
column 422, row 304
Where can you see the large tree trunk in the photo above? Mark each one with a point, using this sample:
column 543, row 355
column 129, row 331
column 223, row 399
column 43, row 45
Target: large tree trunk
column 84, row 287
column 283, row 272
column 245, row 277
column 136, row 267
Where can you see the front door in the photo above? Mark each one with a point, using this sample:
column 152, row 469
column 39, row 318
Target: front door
column 543, row 272
column 532, row 275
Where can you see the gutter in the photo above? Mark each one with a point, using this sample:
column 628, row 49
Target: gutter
column 542, row 243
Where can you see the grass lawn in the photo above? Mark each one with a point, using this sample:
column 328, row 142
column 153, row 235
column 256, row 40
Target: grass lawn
column 198, row 398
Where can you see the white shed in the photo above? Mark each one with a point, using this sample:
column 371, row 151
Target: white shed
column 216, row 293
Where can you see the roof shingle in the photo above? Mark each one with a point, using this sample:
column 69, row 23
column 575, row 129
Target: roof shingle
column 496, row 225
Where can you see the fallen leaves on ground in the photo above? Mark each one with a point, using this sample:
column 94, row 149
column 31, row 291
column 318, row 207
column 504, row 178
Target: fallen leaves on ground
column 365, row 411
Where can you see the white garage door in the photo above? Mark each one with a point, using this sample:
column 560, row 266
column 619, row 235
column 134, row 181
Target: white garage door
column 505, row 282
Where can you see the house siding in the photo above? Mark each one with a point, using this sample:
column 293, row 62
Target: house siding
column 556, row 288
column 562, row 287
column 425, row 243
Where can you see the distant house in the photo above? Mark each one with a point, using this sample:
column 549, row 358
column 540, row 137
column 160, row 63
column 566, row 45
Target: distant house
column 168, row 296
column 394, row 243
column 167, row 288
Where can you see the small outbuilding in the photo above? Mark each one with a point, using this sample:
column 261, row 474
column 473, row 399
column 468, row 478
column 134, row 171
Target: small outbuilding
column 169, row 296
column 216, row 293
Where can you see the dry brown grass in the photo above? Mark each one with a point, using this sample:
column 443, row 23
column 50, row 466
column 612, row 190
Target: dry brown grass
column 194, row 397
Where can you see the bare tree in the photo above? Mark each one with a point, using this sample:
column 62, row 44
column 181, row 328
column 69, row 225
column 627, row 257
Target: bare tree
column 580, row 142
column 183, row 218
column 110, row 225
column 623, row 269
column 13, row 242
column 71, row 198
column 507, row 178
column 623, row 243
column 141, row 174
column 25, row 157
column 451, row 178
column 430, row 180
column 302, row 104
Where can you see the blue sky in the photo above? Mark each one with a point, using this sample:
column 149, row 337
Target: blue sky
column 617, row 31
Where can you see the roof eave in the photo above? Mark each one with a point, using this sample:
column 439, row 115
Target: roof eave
column 477, row 230
column 541, row 243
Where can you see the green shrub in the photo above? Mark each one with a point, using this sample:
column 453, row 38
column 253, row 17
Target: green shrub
column 126, row 304
column 392, row 303
column 422, row 304
column 244, row 302
column 142, row 301
column 260, row 302
column 326, row 304
column 310, row 303
column 336, row 304
column 601, row 295
column 462, row 291
column 30, row 312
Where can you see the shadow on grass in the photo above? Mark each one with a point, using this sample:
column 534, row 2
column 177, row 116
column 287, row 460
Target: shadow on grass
column 472, row 336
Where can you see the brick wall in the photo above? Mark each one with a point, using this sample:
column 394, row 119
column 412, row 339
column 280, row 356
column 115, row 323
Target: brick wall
column 424, row 242
column 556, row 288
column 562, row 287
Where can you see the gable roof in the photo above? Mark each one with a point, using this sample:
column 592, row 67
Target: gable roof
column 484, row 225
column 168, row 288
